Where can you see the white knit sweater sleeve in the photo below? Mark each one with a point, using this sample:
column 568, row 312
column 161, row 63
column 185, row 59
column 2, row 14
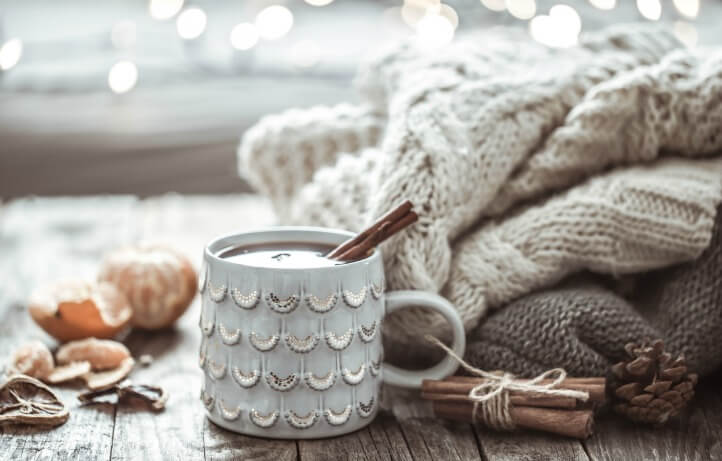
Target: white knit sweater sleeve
column 281, row 153
column 626, row 221
column 673, row 106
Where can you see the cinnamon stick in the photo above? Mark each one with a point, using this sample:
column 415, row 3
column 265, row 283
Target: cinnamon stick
column 516, row 399
column 392, row 216
column 597, row 391
column 569, row 379
column 570, row 423
column 371, row 241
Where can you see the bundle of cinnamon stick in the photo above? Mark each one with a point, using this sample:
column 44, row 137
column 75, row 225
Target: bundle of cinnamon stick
column 364, row 242
column 565, row 416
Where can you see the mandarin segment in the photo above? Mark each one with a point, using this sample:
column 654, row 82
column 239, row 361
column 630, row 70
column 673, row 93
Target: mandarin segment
column 33, row 359
column 102, row 354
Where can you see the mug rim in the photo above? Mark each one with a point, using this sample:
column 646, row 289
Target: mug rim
column 332, row 236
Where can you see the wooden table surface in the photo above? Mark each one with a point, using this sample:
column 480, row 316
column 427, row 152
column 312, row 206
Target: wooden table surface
column 45, row 239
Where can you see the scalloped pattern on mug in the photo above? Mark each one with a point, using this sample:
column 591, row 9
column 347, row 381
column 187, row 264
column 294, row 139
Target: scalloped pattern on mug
column 227, row 337
column 216, row 370
column 322, row 306
column 207, row 326
column 375, row 367
column 365, row 409
column 202, row 278
column 354, row 377
column 216, row 293
column 280, row 384
column 302, row 345
column 378, row 290
column 282, row 306
column 263, row 421
column 245, row 380
column 229, row 414
column 355, row 299
column 245, row 301
column 207, row 400
column 302, row 422
column 339, row 343
column 202, row 353
column 367, row 333
column 320, row 383
column 338, row 418
column 263, row 344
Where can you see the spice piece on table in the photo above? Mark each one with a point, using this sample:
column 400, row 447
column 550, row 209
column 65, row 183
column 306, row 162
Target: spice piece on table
column 365, row 241
column 25, row 400
column 103, row 354
column 651, row 386
column 158, row 281
column 76, row 309
column 32, row 359
column 145, row 360
column 105, row 379
column 68, row 372
column 155, row 396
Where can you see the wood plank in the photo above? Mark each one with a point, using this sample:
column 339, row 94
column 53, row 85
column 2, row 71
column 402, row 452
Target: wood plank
column 43, row 240
column 694, row 436
column 220, row 444
column 381, row 440
column 527, row 445
column 428, row 437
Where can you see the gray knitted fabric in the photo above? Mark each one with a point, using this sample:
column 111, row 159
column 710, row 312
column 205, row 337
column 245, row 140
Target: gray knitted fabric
column 584, row 327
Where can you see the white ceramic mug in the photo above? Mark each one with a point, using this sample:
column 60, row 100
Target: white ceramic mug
column 297, row 353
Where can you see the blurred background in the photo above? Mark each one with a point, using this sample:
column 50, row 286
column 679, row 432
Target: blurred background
column 147, row 97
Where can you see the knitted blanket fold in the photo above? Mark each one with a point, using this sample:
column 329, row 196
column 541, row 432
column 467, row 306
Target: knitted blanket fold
column 525, row 164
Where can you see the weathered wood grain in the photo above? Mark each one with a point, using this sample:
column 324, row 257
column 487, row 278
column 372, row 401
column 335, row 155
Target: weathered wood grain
column 427, row 437
column 381, row 440
column 221, row 445
column 694, row 436
column 521, row 446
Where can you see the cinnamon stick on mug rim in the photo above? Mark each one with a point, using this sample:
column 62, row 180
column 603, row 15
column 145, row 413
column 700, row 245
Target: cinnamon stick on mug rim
column 363, row 243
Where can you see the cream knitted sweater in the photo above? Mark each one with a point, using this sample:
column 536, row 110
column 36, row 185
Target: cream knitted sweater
column 520, row 161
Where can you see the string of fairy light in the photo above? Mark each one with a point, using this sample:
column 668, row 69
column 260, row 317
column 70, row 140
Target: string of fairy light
column 433, row 23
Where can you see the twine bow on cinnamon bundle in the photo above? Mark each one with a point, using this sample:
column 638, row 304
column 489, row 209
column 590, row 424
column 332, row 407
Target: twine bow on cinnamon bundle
column 550, row 402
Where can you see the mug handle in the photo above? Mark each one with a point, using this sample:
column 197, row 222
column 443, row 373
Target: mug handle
column 396, row 300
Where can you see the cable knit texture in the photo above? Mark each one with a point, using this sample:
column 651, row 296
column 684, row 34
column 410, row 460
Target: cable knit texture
column 525, row 164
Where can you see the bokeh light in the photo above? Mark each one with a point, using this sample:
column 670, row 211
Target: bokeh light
column 122, row 77
column 559, row 29
column 650, row 9
column 164, row 9
column 494, row 5
column 10, row 53
column 244, row 36
column 319, row 2
column 434, row 31
column 273, row 22
column 604, row 4
column 191, row 23
column 413, row 10
column 686, row 33
column 689, row 8
column 521, row 9
column 123, row 34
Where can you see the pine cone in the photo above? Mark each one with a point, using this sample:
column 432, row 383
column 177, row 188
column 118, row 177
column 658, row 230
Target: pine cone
column 651, row 387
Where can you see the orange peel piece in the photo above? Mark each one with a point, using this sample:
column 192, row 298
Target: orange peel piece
column 76, row 309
